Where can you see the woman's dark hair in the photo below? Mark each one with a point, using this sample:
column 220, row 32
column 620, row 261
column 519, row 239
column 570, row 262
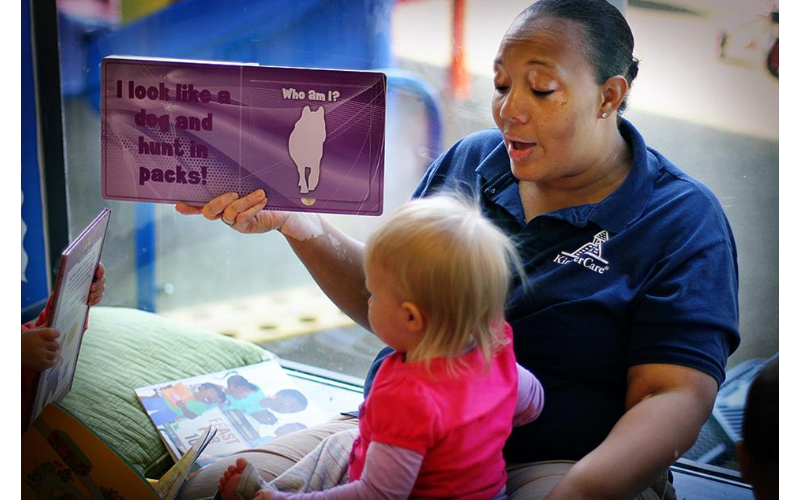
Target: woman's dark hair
column 608, row 37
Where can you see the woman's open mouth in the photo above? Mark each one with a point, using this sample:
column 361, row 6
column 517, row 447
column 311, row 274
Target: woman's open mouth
column 519, row 150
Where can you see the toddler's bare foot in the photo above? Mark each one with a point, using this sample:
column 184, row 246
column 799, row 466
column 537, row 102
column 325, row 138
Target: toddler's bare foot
column 230, row 478
column 241, row 482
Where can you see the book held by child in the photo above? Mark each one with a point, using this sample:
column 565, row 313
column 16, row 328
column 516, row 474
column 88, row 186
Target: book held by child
column 70, row 311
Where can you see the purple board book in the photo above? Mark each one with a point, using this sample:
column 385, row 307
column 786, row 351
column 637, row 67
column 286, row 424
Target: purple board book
column 189, row 131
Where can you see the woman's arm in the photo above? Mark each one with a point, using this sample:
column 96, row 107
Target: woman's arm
column 333, row 258
column 666, row 405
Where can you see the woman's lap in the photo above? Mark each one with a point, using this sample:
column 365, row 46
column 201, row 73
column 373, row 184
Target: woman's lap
column 525, row 481
column 535, row 480
column 270, row 460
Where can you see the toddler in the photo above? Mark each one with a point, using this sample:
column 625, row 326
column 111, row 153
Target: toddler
column 441, row 406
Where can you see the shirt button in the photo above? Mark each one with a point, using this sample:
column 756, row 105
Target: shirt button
column 492, row 190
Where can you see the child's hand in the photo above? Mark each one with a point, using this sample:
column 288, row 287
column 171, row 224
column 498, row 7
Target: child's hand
column 40, row 348
column 98, row 285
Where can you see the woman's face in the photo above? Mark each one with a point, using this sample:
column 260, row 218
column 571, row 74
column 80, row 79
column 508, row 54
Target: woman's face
column 546, row 101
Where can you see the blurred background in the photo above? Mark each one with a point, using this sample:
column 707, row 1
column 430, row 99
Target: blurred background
column 706, row 97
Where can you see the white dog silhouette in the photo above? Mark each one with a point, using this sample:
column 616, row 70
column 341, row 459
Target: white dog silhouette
column 305, row 146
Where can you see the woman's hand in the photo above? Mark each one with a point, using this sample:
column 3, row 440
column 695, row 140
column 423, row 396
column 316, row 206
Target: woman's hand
column 40, row 348
column 246, row 215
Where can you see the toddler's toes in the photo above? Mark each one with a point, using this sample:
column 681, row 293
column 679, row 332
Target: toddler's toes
column 228, row 486
column 241, row 463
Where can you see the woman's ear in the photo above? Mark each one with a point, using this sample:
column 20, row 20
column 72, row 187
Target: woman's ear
column 614, row 91
column 415, row 320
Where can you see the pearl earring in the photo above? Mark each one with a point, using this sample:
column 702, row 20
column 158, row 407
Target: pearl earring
column 605, row 115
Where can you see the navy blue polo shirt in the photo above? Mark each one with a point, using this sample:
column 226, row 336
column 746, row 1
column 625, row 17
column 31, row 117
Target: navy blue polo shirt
column 648, row 275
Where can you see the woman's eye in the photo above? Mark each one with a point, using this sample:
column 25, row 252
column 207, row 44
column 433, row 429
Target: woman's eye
column 542, row 93
column 502, row 89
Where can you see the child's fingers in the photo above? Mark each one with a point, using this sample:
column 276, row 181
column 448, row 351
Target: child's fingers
column 49, row 334
column 98, row 284
column 100, row 271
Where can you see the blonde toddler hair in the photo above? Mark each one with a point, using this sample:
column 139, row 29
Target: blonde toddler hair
column 453, row 264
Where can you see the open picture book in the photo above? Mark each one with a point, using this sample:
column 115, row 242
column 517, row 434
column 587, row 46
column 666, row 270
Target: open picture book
column 249, row 406
column 62, row 458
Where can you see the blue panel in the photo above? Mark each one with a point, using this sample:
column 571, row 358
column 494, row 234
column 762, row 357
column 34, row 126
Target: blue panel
column 144, row 222
column 34, row 274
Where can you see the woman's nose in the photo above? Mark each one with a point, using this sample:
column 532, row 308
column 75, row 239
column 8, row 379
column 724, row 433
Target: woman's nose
column 513, row 107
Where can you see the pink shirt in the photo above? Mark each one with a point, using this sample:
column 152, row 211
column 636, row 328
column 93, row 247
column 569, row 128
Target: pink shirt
column 458, row 424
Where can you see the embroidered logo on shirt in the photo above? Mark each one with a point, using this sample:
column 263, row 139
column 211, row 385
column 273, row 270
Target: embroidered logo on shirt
column 589, row 255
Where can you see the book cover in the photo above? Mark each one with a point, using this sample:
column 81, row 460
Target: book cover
column 62, row 458
column 70, row 310
column 189, row 131
column 249, row 406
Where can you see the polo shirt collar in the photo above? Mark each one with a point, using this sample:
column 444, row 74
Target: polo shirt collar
column 628, row 201
column 614, row 213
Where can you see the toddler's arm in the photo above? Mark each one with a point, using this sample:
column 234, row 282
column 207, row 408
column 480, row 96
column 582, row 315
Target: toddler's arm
column 389, row 474
column 39, row 348
column 530, row 398
column 39, row 344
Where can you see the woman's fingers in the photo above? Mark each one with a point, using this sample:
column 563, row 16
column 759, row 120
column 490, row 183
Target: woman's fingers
column 243, row 220
column 252, row 200
column 240, row 213
column 185, row 209
column 214, row 208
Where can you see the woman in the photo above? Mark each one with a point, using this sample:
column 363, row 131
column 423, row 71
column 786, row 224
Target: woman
column 630, row 307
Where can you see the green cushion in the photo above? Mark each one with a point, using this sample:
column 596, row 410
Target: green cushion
column 124, row 349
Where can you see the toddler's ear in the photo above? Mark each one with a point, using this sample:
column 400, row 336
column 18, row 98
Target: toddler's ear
column 415, row 320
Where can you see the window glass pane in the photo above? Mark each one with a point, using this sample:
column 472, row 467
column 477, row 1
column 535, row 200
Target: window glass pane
column 706, row 99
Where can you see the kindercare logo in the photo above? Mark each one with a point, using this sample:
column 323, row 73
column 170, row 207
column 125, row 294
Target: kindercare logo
column 589, row 255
